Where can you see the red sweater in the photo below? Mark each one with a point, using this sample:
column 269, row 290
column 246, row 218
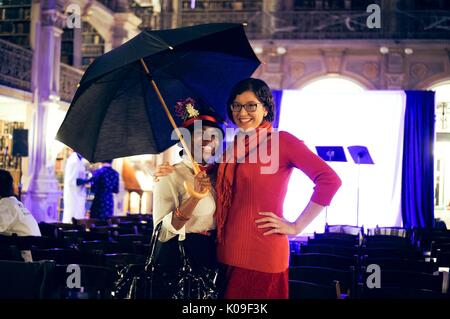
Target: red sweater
column 244, row 245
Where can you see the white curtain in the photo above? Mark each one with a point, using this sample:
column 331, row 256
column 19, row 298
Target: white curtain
column 371, row 118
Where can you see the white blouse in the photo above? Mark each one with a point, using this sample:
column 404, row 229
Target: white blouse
column 169, row 193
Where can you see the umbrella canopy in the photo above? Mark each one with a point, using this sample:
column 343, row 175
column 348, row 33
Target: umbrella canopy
column 116, row 111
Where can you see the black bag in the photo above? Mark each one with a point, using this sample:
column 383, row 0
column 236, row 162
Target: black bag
column 151, row 281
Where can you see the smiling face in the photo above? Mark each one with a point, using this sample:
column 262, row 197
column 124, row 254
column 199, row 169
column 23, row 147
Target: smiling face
column 208, row 138
column 248, row 120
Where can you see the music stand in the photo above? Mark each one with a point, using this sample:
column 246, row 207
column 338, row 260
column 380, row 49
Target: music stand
column 331, row 154
column 360, row 155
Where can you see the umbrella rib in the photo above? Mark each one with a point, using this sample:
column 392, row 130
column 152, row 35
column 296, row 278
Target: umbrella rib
column 160, row 40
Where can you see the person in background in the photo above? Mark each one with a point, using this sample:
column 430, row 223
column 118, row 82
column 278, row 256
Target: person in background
column 105, row 182
column 15, row 218
column 74, row 189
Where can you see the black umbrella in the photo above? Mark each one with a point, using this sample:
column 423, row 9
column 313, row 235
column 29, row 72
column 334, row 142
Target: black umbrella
column 117, row 110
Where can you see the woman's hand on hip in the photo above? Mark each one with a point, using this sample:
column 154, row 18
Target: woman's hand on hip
column 275, row 224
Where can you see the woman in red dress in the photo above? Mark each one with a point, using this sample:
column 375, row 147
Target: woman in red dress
column 253, row 241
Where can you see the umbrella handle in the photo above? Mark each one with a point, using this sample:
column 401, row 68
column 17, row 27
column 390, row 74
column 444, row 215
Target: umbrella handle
column 193, row 193
column 171, row 120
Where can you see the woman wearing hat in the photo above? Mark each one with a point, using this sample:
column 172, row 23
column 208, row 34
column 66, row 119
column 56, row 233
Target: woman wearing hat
column 184, row 215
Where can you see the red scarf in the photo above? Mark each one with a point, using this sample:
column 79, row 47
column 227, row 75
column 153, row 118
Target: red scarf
column 227, row 170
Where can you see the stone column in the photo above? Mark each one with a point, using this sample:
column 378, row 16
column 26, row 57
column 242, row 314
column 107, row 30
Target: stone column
column 43, row 193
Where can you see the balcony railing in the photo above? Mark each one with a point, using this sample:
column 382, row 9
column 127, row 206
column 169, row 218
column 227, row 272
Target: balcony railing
column 423, row 24
column 220, row 5
column 68, row 81
column 320, row 24
column 325, row 24
column 15, row 66
column 353, row 25
column 254, row 20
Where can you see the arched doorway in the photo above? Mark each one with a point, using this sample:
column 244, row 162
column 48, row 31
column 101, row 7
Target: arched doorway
column 441, row 153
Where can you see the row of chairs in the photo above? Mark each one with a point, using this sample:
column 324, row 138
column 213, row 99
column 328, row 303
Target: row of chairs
column 49, row 280
column 110, row 246
column 100, row 250
column 339, row 265
column 97, row 231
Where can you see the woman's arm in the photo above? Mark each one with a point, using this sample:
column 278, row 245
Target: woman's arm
column 184, row 212
column 326, row 181
column 169, row 210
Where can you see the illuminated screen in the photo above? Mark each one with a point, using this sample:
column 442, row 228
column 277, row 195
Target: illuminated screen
column 373, row 119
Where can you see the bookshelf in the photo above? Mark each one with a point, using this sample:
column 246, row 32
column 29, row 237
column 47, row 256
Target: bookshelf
column 7, row 161
column 15, row 20
column 93, row 45
column 67, row 46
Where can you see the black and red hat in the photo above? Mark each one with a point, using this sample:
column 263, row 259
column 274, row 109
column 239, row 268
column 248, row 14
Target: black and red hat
column 189, row 111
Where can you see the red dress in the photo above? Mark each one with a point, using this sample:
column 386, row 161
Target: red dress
column 259, row 264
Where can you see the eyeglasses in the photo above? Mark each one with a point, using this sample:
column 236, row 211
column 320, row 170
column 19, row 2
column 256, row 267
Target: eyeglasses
column 249, row 107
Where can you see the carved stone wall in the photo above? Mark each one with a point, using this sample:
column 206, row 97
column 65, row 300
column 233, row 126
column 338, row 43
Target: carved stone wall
column 423, row 63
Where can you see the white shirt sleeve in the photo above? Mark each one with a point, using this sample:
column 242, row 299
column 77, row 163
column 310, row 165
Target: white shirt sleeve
column 165, row 201
column 7, row 217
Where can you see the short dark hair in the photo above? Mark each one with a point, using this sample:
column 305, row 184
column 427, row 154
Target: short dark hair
column 262, row 92
column 6, row 184
column 107, row 161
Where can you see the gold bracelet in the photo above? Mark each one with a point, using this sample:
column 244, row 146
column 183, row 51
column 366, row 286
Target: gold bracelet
column 180, row 215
